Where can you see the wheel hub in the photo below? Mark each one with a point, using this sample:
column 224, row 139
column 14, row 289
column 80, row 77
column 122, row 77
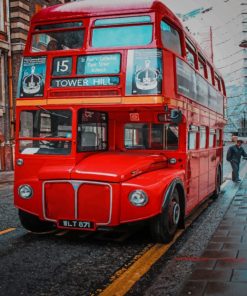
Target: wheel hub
column 176, row 213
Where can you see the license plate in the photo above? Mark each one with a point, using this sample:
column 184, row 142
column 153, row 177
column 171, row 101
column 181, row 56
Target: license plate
column 75, row 224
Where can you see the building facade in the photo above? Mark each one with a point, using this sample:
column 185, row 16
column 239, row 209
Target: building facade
column 15, row 18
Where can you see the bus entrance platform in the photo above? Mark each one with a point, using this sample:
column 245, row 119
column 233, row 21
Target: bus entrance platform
column 222, row 267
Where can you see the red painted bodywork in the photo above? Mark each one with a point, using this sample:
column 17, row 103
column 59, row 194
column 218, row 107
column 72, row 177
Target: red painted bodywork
column 107, row 178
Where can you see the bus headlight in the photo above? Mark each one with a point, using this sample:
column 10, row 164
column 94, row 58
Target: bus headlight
column 25, row 191
column 138, row 198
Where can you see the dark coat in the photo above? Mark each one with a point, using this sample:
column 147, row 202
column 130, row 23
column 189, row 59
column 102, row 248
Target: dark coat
column 234, row 153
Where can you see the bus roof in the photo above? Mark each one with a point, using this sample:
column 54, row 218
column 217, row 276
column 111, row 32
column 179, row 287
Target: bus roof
column 86, row 8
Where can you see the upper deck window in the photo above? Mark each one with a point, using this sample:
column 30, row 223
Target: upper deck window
column 170, row 37
column 190, row 53
column 117, row 35
column 63, row 36
column 202, row 66
column 217, row 82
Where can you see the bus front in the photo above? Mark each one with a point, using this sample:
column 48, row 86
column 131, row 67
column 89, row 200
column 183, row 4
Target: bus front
column 94, row 147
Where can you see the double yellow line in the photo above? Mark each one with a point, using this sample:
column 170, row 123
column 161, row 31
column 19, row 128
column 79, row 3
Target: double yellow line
column 123, row 283
column 6, row 231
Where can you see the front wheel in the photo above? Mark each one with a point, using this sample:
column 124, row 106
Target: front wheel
column 164, row 226
column 217, row 185
column 34, row 224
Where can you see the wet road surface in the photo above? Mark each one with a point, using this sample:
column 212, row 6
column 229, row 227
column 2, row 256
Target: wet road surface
column 76, row 264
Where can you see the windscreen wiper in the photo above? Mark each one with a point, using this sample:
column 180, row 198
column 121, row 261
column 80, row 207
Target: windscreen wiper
column 52, row 113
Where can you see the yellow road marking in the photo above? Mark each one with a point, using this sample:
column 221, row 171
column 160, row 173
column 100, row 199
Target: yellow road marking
column 124, row 283
column 6, row 231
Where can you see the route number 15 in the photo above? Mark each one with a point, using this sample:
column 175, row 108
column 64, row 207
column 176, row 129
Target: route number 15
column 62, row 66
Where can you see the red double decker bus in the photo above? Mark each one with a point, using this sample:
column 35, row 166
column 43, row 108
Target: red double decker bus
column 120, row 119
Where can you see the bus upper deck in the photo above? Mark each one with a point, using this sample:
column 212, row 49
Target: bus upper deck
column 123, row 55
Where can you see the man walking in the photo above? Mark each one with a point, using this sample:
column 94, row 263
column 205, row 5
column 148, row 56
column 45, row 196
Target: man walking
column 234, row 154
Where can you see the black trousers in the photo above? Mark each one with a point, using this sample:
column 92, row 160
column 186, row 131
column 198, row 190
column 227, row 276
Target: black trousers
column 235, row 170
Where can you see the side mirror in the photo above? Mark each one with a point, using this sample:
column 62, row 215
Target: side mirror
column 176, row 116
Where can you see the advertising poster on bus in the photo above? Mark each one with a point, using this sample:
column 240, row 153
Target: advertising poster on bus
column 144, row 72
column 32, row 77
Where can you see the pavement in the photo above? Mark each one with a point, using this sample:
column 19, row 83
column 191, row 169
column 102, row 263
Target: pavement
column 6, row 177
column 222, row 267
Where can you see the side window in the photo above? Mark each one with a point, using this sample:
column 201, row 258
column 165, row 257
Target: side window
column 202, row 67
column 203, row 137
column 218, row 137
column 1, row 16
column 193, row 130
column 212, row 135
column 217, row 82
column 190, row 54
column 151, row 136
column 170, row 37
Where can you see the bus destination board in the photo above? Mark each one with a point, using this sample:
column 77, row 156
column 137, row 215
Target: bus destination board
column 98, row 64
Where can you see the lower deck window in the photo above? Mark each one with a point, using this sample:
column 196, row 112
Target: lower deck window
column 192, row 137
column 45, row 131
column 151, row 136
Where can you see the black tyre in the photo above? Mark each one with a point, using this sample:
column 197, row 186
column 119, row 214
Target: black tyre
column 164, row 226
column 34, row 224
column 218, row 184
